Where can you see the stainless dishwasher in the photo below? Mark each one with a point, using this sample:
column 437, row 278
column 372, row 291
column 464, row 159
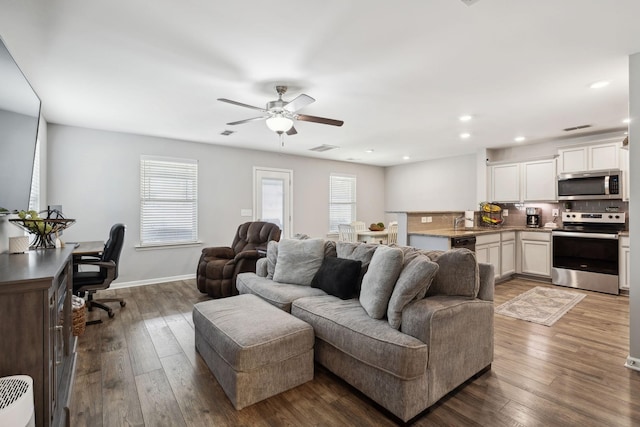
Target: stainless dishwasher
column 466, row 242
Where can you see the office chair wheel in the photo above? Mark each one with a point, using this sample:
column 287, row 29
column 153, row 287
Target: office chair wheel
column 111, row 314
column 123, row 303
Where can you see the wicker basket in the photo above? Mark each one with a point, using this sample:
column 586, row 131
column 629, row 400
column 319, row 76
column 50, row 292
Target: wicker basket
column 78, row 315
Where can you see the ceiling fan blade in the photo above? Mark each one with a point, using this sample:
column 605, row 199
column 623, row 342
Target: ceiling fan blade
column 317, row 119
column 299, row 102
column 240, row 104
column 292, row 131
column 239, row 122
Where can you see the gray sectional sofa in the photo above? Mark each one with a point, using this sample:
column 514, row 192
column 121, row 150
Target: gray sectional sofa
column 415, row 325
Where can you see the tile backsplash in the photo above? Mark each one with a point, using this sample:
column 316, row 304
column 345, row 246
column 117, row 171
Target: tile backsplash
column 518, row 216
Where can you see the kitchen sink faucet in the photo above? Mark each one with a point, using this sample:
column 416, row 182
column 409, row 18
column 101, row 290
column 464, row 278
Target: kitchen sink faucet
column 457, row 221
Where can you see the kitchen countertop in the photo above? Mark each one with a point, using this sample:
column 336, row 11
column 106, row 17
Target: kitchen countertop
column 450, row 232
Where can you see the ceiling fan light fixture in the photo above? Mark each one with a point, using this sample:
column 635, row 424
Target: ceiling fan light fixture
column 279, row 123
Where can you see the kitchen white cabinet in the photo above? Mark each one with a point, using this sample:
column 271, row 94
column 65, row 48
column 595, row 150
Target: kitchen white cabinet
column 539, row 181
column 488, row 250
column 507, row 253
column 505, row 183
column 535, row 250
column 591, row 157
column 625, row 265
column 624, row 166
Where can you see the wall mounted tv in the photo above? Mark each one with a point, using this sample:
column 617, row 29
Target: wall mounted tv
column 19, row 117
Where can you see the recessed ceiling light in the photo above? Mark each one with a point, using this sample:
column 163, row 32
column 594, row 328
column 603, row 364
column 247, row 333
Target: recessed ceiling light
column 600, row 84
column 518, row 138
column 370, row 150
column 627, row 120
column 465, row 135
column 465, row 118
column 406, row 158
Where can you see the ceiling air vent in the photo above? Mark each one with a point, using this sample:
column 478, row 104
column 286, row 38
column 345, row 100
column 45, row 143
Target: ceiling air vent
column 227, row 132
column 576, row 128
column 323, row 147
column 469, row 2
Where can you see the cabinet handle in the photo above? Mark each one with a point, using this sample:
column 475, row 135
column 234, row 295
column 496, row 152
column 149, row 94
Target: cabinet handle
column 58, row 344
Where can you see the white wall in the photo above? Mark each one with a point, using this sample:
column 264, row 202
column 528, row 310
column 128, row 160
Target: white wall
column 94, row 175
column 434, row 185
column 634, row 209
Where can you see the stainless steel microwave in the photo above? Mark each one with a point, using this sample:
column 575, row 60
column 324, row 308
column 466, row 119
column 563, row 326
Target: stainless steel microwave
column 590, row 185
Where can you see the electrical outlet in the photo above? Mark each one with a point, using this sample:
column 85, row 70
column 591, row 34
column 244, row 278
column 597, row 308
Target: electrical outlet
column 505, row 212
column 423, row 219
column 555, row 212
column 429, row 219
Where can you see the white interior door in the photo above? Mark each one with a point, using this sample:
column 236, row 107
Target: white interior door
column 273, row 198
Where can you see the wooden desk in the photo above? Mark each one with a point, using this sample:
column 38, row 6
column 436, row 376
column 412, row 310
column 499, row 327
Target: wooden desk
column 373, row 236
column 88, row 248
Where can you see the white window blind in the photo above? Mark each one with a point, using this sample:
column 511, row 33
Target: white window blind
column 342, row 200
column 168, row 201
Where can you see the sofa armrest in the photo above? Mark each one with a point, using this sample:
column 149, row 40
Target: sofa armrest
column 261, row 267
column 459, row 335
column 223, row 252
column 487, row 281
column 249, row 254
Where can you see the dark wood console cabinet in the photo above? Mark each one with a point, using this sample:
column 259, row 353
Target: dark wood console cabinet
column 35, row 327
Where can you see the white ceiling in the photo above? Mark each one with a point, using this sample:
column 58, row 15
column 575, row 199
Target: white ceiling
column 399, row 74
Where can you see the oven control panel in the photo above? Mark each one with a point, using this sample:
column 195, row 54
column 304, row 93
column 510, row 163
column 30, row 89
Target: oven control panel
column 597, row 217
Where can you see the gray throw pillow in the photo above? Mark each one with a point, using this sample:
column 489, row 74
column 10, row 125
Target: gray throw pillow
column 414, row 280
column 298, row 261
column 458, row 274
column 272, row 257
column 377, row 284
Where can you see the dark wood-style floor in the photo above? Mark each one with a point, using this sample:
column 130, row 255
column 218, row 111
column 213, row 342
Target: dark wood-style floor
column 141, row 369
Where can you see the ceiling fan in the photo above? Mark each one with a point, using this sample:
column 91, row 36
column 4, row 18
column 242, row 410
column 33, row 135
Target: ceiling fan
column 280, row 114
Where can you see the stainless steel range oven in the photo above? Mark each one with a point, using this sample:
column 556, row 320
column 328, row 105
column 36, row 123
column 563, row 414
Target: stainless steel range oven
column 585, row 251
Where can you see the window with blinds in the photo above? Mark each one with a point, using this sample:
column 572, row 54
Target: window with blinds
column 342, row 200
column 168, row 201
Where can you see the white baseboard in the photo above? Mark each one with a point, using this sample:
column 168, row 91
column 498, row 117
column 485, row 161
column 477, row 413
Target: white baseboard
column 151, row 281
column 632, row 363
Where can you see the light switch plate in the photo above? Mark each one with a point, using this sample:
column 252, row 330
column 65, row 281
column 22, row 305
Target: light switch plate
column 505, row 212
column 246, row 212
column 429, row 219
column 423, row 219
column 555, row 212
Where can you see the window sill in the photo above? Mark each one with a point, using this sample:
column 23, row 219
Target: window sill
column 166, row 246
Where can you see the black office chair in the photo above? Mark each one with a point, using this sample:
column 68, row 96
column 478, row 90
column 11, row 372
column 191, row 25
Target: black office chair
column 88, row 282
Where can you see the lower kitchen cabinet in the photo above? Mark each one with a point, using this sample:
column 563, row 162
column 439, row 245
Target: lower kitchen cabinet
column 507, row 253
column 536, row 253
column 625, row 265
column 488, row 250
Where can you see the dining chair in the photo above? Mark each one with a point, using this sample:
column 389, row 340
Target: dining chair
column 359, row 225
column 346, row 233
column 392, row 236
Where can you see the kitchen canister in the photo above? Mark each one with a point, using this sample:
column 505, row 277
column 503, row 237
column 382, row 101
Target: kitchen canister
column 18, row 245
column 468, row 219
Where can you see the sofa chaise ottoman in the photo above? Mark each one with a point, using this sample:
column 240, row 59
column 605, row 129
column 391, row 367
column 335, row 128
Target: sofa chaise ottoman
column 254, row 350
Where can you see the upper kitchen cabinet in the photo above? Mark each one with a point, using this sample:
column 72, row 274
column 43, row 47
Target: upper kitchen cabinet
column 505, row 182
column 591, row 157
column 533, row 181
column 539, row 181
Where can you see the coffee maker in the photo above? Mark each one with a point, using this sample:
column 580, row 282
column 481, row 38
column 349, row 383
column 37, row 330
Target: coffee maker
column 533, row 217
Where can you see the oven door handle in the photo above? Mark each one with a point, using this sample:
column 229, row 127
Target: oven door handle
column 585, row 235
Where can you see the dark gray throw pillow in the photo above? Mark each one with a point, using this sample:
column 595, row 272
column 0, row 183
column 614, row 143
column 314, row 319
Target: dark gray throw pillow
column 338, row 276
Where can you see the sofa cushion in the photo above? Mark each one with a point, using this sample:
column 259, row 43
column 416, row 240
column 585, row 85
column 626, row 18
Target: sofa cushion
column 414, row 280
column 278, row 294
column 338, row 276
column 359, row 252
column 378, row 283
column 458, row 273
column 346, row 326
column 298, row 260
column 272, row 256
